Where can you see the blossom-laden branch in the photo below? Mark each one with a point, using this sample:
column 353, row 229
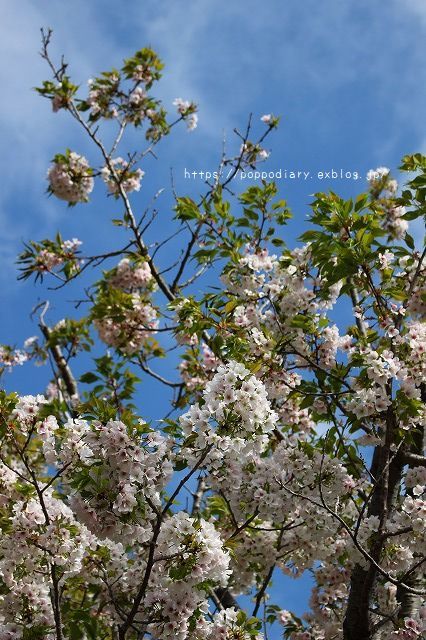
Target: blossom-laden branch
column 118, row 529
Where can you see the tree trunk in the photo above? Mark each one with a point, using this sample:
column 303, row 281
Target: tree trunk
column 357, row 624
column 410, row 602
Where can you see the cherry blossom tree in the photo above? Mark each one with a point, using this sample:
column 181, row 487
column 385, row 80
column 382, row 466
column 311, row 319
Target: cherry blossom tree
column 293, row 440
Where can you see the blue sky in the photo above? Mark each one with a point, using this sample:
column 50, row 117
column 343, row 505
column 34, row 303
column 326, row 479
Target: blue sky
column 347, row 77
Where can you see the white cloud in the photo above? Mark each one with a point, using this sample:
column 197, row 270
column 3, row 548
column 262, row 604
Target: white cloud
column 225, row 55
column 417, row 7
column 230, row 54
column 29, row 132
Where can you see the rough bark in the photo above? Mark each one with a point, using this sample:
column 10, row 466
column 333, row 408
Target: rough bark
column 410, row 602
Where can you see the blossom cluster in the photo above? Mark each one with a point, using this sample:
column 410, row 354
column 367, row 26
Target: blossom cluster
column 112, row 478
column 235, row 402
column 395, row 223
column 383, row 187
column 49, row 258
column 188, row 112
column 42, row 531
column 132, row 327
column 119, row 174
column 194, row 555
column 11, row 357
column 379, row 179
column 123, row 314
column 130, row 277
column 226, row 624
column 195, row 372
column 408, row 369
column 252, row 153
column 71, row 177
column 124, row 472
column 101, row 95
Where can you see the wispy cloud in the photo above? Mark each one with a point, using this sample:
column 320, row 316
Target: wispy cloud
column 339, row 70
column 321, row 59
column 416, row 7
column 29, row 133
